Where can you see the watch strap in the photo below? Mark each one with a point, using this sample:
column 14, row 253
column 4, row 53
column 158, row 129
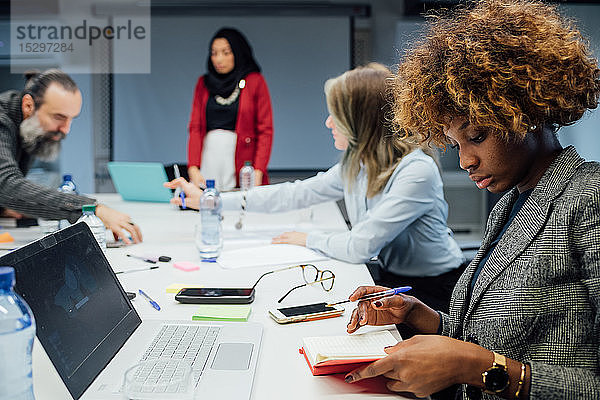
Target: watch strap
column 499, row 364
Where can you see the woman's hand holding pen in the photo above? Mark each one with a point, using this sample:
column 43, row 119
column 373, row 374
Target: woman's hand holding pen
column 192, row 192
column 391, row 310
column 423, row 364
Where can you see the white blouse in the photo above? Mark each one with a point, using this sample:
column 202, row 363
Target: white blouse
column 404, row 224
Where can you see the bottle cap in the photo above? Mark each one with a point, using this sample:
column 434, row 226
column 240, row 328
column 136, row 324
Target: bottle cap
column 89, row 207
column 7, row 277
column 210, row 183
column 248, row 163
column 67, row 177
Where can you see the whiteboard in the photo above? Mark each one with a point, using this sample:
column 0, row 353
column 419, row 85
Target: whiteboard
column 297, row 55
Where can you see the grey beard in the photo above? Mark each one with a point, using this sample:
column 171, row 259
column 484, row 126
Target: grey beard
column 38, row 142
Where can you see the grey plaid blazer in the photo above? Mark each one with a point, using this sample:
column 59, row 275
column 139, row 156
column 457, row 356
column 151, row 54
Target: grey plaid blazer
column 537, row 300
column 18, row 193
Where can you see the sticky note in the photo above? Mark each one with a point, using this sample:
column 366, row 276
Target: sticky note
column 186, row 266
column 176, row 287
column 6, row 237
column 222, row 312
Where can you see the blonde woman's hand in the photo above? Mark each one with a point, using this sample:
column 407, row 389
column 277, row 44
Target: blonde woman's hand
column 192, row 192
column 297, row 238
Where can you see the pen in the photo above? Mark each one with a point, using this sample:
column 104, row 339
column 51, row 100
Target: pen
column 152, row 302
column 137, row 269
column 178, row 192
column 182, row 197
column 385, row 293
column 148, row 260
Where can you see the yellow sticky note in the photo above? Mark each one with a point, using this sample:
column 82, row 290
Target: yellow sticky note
column 222, row 312
column 176, row 287
column 6, row 237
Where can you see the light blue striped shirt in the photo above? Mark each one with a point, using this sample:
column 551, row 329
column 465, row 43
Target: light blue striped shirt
column 404, row 224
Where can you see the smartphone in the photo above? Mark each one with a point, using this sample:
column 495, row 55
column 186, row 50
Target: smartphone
column 309, row 312
column 215, row 296
column 115, row 245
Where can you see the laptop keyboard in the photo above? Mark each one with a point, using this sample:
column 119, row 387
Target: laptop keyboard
column 180, row 342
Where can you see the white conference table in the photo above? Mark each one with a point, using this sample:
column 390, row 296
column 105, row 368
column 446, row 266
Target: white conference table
column 281, row 370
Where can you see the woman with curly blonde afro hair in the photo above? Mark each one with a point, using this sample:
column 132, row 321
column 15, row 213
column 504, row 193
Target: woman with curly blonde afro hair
column 497, row 79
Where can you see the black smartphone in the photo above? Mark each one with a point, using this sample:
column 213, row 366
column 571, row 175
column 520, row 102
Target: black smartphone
column 215, row 296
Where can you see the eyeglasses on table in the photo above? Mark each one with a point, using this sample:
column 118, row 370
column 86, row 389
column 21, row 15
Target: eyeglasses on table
column 311, row 275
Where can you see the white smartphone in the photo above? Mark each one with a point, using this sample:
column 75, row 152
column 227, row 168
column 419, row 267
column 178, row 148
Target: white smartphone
column 308, row 312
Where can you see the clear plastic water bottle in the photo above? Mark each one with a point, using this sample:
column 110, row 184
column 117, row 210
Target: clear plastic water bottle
column 95, row 224
column 247, row 176
column 67, row 185
column 17, row 330
column 209, row 236
column 48, row 226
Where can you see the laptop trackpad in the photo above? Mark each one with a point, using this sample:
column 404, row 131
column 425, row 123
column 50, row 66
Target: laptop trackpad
column 233, row 356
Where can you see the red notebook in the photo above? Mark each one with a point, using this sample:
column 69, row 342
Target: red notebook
column 339, row 354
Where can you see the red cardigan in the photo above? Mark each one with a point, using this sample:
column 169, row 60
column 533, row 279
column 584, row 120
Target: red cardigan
column 254, row 125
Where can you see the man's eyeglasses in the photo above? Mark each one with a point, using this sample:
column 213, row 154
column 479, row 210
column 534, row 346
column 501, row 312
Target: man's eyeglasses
column 311, row 275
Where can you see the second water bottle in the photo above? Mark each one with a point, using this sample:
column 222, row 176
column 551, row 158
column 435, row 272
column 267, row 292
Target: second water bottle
column 95, row 224
column 209, row 235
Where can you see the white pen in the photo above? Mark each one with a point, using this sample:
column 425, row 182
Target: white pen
column 137, row 269
column 177, row 175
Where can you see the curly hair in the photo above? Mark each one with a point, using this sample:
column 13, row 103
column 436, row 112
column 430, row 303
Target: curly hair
column 507, row 66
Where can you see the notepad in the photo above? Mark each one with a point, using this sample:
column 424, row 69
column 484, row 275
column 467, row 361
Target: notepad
column 336, row 354
column 176, row 287
column 222, row 312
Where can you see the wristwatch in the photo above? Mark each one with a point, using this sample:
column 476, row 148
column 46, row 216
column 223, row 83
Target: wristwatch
column 496, row 378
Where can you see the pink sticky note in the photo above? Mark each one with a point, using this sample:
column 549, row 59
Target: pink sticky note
column 186, row 266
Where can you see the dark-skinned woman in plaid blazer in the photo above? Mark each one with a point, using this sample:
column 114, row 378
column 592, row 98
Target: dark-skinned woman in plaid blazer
column 497, row 79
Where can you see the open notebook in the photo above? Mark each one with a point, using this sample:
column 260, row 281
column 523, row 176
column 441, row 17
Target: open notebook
column 337, row 354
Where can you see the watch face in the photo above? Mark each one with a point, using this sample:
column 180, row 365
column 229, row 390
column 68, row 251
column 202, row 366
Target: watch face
column 496, row 379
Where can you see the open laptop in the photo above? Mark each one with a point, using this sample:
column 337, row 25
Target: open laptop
column 140, row 181
column 92, row 334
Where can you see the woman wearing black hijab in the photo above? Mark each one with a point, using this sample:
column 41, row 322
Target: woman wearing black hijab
column 231, row 119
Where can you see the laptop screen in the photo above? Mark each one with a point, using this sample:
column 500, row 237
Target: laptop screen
column 83, row 316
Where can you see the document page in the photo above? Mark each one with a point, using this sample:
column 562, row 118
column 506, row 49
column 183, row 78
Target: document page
column 271, row 254
column 365, row 346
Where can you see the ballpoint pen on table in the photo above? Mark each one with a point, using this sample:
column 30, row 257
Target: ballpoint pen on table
column 151, row 259
column 137, row 269
column 378, row 295
column 148, row 260
column 152, row 302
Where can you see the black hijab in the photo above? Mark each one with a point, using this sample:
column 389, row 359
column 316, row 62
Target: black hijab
column 224, row 84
